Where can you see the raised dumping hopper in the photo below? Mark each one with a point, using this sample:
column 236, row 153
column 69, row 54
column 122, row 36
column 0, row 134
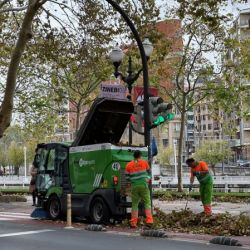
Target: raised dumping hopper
column 105, row 122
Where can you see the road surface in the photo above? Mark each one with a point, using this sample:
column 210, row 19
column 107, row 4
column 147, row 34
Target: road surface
column 24, row 236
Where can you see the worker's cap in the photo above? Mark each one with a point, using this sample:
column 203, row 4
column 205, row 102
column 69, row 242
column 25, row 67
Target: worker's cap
column 137, row 153
column 190, row 161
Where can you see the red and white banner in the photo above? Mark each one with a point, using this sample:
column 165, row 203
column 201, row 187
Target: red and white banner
column 139, row 93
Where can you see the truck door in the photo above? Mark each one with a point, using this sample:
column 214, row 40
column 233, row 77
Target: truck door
column 50, row 160
column 41, row 161
column 61, row 171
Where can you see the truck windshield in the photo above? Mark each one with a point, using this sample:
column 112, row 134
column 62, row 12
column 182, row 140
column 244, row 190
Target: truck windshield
column 43, row 179
column 41, row 158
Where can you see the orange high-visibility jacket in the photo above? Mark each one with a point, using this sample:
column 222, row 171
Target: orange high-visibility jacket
column 137, row 172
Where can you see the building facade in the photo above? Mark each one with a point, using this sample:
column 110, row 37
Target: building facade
column 241, row 143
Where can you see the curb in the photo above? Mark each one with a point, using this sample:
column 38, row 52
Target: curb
column 195, row 238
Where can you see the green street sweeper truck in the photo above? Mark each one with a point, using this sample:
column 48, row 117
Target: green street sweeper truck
column 91, row 168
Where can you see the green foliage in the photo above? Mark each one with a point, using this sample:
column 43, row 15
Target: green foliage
column 213, row 152
column 13, row 143
column 16, row 155
column 4, row 160
column 165, row 155
column 14, row 190
column 66, row 58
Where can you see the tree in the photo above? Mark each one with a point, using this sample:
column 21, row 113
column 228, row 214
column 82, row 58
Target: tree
column 165, row 156
column 16, row 156
column 24, row 36
column 213, row 152
column 232, row 95
column 4, row 160
column 81, row 22
column 203, row 31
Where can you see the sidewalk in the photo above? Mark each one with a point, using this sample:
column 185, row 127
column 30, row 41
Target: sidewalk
column 196, row 206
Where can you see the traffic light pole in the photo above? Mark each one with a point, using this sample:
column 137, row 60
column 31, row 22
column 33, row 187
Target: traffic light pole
column 145, row 82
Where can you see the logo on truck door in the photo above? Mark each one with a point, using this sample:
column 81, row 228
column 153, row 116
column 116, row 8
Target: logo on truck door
column 84, row 163
column 116, row 166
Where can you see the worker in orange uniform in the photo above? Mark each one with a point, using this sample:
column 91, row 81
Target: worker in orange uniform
column 137, row 174
column 201, row 172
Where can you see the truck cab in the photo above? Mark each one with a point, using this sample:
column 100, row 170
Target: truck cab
column 91, row 168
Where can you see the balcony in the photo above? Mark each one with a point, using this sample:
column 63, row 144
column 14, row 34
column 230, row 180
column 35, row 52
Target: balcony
column 246, row 125
column 246, row 140
column 190, row 138
column 234, row 143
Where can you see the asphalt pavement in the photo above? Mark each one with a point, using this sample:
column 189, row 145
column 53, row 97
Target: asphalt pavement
column 19, row 231
column 29, row 237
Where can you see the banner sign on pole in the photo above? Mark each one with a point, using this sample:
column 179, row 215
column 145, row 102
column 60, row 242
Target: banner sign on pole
column 113, row 91
column 139, row 93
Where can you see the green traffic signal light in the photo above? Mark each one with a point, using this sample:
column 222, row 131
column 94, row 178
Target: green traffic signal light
column 170, row 116
column 161, row 119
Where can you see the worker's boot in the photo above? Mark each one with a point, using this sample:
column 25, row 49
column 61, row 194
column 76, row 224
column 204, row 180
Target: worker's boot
column 149, row 217
column 208, row 210
column 134, row 219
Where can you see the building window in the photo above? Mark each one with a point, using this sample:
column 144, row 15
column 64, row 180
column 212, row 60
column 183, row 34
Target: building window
column 177, row 127
column 204, row 127
column 190, row 117
column 209, row 126
column 165, row 142
column 204, row 118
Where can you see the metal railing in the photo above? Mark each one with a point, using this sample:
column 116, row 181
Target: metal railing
column 14, row 180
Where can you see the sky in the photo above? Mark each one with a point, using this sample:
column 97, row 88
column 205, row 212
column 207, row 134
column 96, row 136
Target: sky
column 231, row 8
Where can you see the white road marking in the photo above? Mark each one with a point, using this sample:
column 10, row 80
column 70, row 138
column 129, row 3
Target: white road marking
column 14, row 216
column 25, row 233
column 14, row 213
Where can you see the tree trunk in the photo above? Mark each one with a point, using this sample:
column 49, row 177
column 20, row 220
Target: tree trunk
column 78, row 112
column 24, row 35
column 16, row 171
column 213, row 169
column 180, row 146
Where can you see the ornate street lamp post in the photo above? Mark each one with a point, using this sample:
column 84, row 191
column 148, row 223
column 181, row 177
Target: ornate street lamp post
column 116, row 57
column 144, row 69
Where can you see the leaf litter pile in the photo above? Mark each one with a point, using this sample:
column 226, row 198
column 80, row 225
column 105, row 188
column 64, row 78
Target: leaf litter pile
column 187, row 221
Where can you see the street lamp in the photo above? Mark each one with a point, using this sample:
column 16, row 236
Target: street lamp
column 116, row 56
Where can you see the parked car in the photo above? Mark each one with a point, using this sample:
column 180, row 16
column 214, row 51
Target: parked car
column 243, row 163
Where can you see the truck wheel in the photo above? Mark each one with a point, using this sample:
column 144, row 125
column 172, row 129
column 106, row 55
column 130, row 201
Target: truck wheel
column 99, row 212
column 54, row 207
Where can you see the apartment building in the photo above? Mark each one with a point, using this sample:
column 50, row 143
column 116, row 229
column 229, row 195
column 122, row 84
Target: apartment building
column 241, row 143
column 206, row 126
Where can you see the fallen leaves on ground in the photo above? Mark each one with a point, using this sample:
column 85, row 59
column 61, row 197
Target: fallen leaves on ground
column 186, row 221
column 217, row 224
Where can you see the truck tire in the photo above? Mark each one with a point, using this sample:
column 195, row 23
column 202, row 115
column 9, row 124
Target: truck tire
column 99, row 211
column 54, row 207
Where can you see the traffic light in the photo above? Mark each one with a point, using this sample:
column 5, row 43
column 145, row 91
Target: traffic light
column 159, row 111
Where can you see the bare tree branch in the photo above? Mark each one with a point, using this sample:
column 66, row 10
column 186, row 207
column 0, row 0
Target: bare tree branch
column 15, row 9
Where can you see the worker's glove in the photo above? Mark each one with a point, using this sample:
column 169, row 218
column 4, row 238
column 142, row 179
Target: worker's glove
column 190, row 188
